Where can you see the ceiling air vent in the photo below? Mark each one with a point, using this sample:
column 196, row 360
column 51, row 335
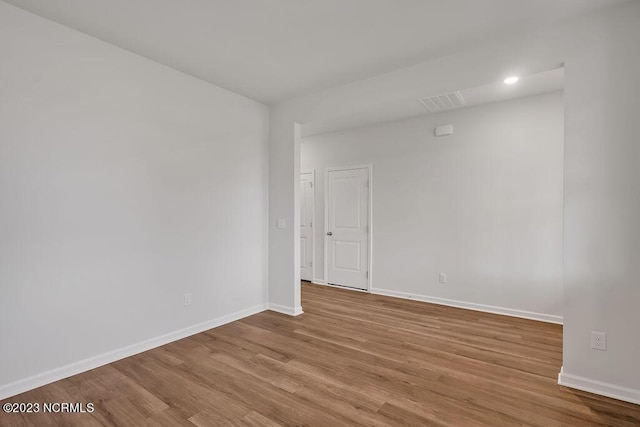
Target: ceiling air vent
column 448, row 101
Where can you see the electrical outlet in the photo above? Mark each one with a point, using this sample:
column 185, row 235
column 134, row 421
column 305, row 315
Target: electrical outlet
column 442, row 277
column 187, row 299
column 598, row 340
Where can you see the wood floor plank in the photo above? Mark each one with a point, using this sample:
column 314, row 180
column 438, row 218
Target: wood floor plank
column 350, row 359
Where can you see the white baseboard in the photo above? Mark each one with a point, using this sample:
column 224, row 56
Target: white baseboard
column 38, row 380
column 549, row 318
column 318, row 282
column 290, row 311
column 598, row 387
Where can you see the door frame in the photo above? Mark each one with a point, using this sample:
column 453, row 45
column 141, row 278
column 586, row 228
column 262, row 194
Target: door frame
column 369, row 168
column 313, row 219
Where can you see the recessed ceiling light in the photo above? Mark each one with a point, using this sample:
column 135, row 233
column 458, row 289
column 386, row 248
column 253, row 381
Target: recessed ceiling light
column 511, row 80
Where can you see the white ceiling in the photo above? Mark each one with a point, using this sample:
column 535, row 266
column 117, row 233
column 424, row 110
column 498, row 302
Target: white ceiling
column 534, row 84
column 273, row 50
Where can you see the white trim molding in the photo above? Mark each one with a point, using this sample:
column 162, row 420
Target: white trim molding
column 549, row 318
column 38, row 380
column 283, row 309
column 318, row 282
column 313, row 220
column 598, row 387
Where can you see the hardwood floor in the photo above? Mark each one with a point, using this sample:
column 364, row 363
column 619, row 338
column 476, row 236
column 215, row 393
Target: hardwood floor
column 350, row 359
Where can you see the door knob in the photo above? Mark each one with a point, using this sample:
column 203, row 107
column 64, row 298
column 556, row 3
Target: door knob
column 329, row 233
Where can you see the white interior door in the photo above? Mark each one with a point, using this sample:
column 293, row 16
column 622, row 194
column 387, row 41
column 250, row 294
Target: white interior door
column 347, row 227
column 306, row 226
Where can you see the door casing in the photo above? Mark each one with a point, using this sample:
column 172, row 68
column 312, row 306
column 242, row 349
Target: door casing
column 312, row 172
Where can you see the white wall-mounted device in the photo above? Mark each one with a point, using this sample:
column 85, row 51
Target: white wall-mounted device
column 444, row 130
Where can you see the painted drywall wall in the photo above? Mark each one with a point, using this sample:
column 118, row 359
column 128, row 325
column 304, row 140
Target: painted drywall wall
column 599, row 291
column 124, row 184
column 483, row 205
column 602, row 203
column 284, row 161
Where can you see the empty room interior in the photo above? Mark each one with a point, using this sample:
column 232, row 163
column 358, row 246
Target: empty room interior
column 321, row 212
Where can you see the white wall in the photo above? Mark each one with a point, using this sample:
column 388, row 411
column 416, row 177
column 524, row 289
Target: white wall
column 284, row 162
column 123, row 185
column 483, row 205
column 602, row 204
